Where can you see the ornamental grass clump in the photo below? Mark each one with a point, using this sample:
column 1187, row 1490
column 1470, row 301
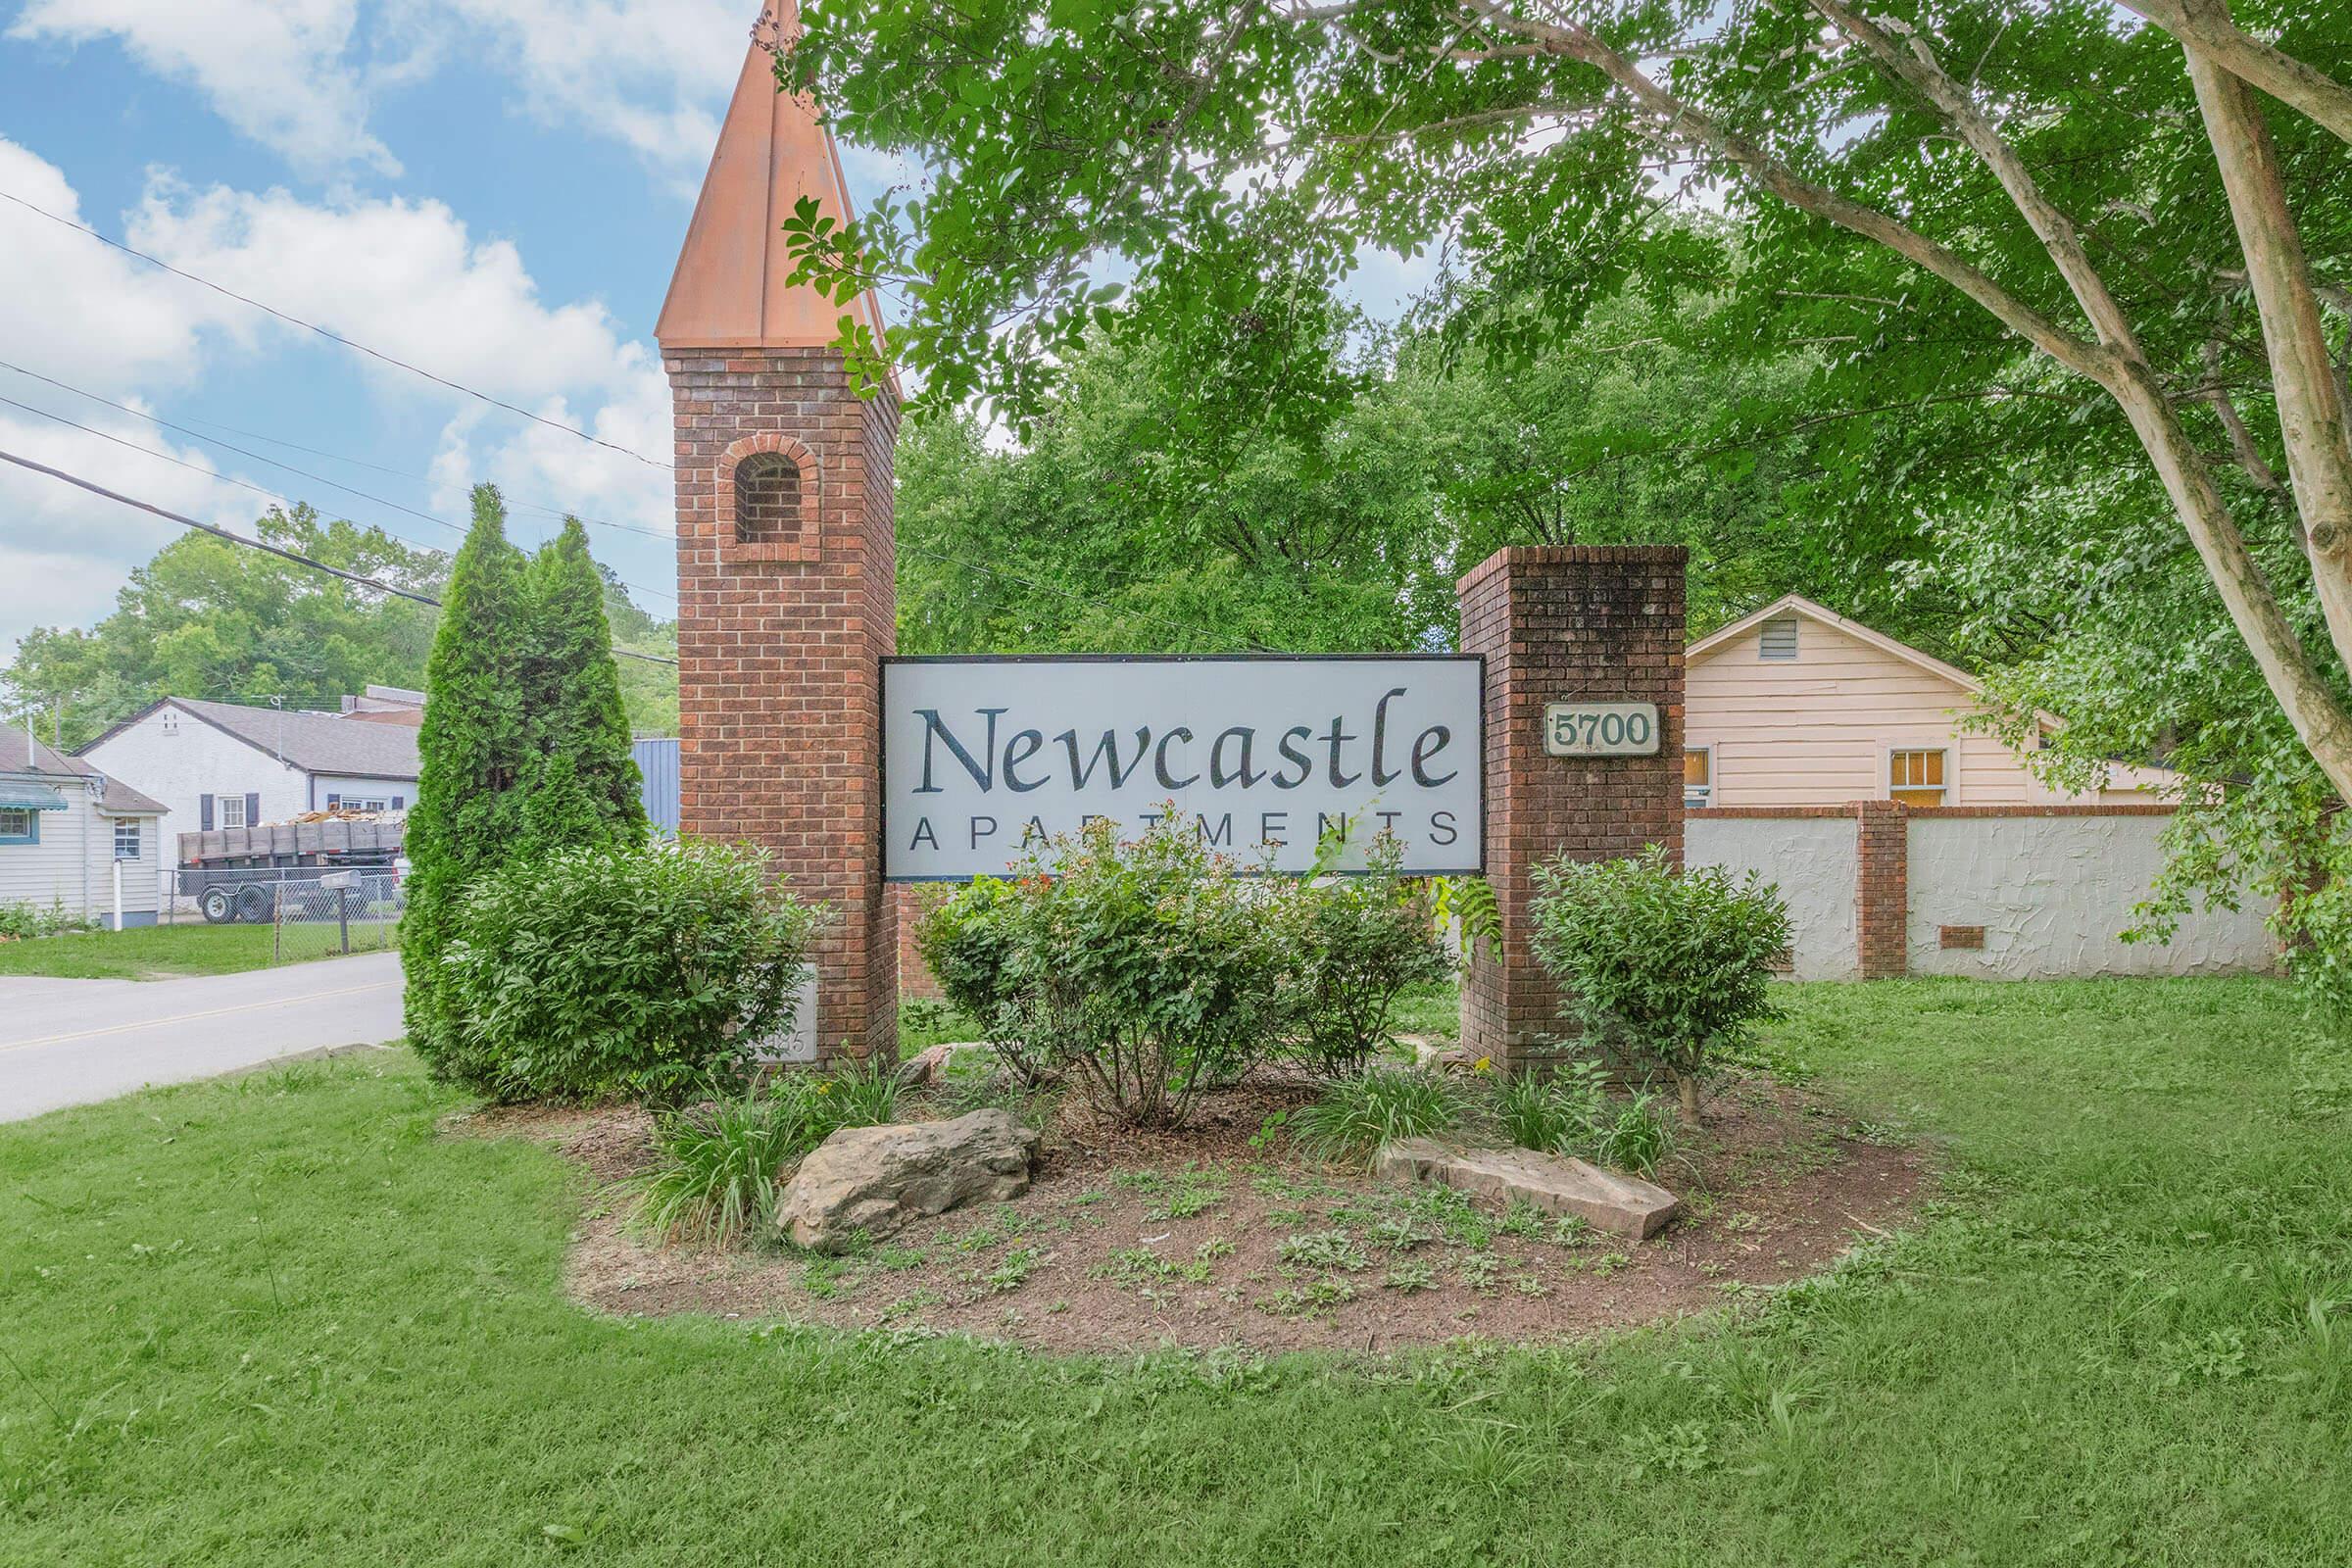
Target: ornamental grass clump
column 1674, row 964
column 1354, row 1116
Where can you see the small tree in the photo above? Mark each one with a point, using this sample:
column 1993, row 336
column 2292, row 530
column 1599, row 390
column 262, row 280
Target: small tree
column 584, row 784
column 645, row 969
column 472, row 750
column 1678, row 964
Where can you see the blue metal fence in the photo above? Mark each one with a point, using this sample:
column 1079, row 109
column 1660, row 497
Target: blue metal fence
column 658, row 760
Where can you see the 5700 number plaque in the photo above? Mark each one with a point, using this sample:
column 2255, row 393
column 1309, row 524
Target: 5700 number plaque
column 1602, row 729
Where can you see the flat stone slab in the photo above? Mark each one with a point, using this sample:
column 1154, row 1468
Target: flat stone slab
column 1624, row 1205
column 871, row 1182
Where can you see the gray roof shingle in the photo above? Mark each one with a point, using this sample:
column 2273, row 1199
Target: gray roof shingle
column 316, row 743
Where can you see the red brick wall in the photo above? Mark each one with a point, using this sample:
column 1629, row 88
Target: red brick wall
column 1556, row 624
column 779, row 716
column 912, row 899
column 1881, row 889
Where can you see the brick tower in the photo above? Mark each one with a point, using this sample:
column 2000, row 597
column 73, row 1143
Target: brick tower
column 786, row 598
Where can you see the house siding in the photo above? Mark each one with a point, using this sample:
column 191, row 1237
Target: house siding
column 200, row 760
column 1815, row 730
column 72, row 867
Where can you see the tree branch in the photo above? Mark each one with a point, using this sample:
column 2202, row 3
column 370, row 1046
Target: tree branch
column 2291, row 82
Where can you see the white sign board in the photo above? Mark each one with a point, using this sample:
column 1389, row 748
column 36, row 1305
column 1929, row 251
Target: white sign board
column 1602, row 729
column 799, row 1042
column 982, row 758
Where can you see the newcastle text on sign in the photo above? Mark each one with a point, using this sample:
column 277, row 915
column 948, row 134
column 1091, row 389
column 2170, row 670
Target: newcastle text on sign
column 984, row 757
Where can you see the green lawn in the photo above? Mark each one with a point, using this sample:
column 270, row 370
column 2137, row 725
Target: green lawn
column 148, row 953
column 280, row 1320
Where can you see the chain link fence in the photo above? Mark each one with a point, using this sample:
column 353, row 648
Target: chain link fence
column 312, row 911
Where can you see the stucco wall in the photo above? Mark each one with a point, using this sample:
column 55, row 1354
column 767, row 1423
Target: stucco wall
column 2054, row 895
column 1812, row 859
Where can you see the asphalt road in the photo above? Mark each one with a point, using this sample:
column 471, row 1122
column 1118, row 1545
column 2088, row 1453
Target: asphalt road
column 71, row 1042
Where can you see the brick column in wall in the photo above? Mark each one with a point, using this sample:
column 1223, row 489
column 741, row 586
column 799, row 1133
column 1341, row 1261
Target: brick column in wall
column 781, row 627
column 914, row 900
column 1881, row 891
column 1556, row 624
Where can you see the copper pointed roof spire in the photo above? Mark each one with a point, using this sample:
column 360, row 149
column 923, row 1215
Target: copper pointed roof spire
column 729, row 290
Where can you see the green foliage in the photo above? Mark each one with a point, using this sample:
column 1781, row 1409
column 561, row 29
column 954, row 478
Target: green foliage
column 22, row 920
column 584, row 784
column 209, row 619
column 1358, row 942
column 643, row 970
column 1146, row 968
column 1559, row 1112
column 1637, row 1137
column 964, row 943
column 722, row 1162
column 1352, row 1117
column 1678, row 964
column 473, row 750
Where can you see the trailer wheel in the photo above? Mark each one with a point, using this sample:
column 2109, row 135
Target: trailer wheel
column 253, row 903
column 218, row 906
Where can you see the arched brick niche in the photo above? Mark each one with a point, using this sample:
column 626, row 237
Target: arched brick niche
column 768, row 488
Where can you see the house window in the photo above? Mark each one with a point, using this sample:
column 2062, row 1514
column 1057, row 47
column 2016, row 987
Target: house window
column 20, row 827
column 1777, row 640
column 233, row 810
column 1698, row 779
column 170, row 722
column 371, row 805
column 1916, row 779
column 126, row 840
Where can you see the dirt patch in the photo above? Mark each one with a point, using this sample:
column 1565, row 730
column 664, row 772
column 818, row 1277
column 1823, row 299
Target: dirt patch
column 1221, row 1236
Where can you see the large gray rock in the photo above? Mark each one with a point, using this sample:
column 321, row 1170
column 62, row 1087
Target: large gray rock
column 875, row 1181
column 1623, row 1205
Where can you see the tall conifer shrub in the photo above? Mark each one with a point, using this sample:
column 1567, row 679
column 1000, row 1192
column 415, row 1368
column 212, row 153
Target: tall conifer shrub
column 472, row 752
column 583, row 788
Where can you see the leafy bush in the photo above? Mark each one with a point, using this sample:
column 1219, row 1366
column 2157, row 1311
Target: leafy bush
column 645, row 969
column 1354, row 1116
column 1677, row 964
column 22, row 920
column 1148, row 969
column 1360, row 941
column 963, row 943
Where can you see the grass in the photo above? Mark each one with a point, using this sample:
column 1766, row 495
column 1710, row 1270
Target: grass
column 280, row 1320
column 155, row 951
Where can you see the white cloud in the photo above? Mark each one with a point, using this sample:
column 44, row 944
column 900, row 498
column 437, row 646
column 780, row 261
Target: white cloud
column 655, row 74
column 279, row 70
column 105, row 320
column 64, row 553
column 405, row 275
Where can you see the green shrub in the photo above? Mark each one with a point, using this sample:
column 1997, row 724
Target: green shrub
column 1354, row 1116
column 1146, row 970
column 643, row 969
column 1677, row 964
column 22, row 920
column 1360, row 942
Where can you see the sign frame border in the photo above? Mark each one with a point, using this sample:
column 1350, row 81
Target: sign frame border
column 882, row 714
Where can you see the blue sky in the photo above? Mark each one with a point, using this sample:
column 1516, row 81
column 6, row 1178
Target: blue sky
column 492, row 189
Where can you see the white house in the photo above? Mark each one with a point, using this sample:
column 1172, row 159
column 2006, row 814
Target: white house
column 225, row 764
column 66, row 830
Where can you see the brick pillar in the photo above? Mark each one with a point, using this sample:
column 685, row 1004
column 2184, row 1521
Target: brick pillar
column 783, row 616
column 914, row 900
column 1883, row 889
column 1556, row 624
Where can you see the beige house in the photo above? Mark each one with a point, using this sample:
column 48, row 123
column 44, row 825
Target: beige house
column 1798, row 706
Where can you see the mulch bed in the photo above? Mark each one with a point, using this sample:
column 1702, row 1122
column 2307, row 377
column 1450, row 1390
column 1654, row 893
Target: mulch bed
column 1222, row 1236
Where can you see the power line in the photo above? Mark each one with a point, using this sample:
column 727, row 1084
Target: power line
column 331, row 336
column 268, row 495
column 261, row 545
column 315, row 452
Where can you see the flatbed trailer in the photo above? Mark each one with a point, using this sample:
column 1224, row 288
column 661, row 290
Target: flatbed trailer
column 233, row 873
